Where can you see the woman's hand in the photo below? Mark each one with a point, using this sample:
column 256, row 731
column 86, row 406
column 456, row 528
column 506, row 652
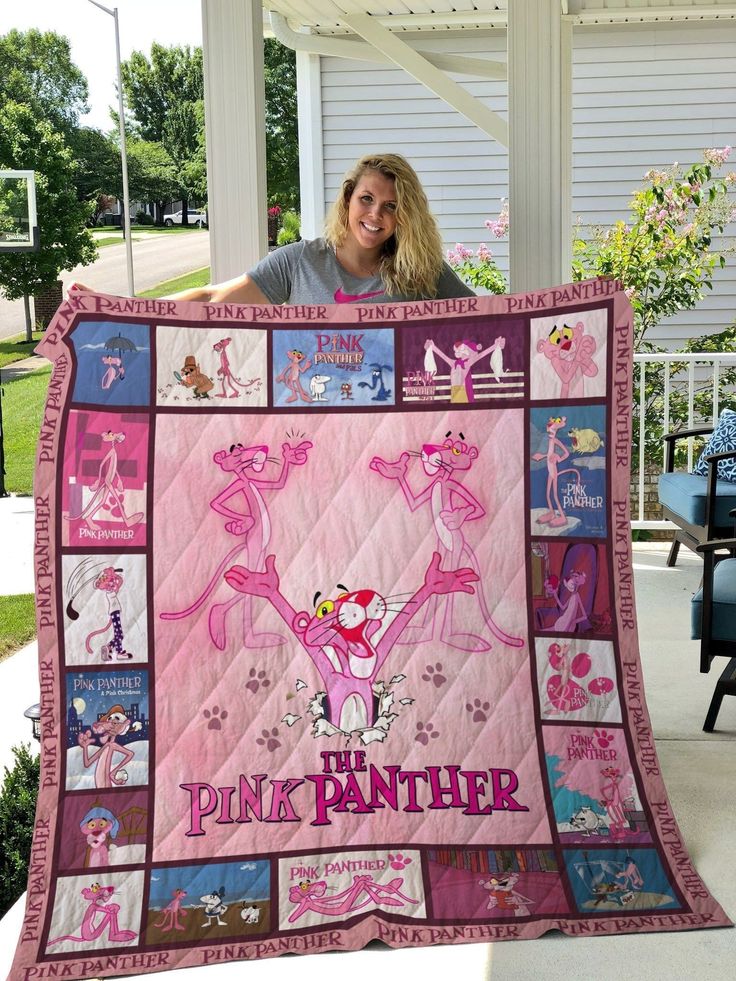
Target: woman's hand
column 75, row 287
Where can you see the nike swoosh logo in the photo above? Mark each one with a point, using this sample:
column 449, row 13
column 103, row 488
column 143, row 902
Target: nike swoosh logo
column 341, row 297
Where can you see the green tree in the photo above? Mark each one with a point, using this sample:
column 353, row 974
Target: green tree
column 36, row 70
column 98, row 168
column 27, row 144
column 163, row 93
column 282, row 138
column 18, row 797
column 152, row 175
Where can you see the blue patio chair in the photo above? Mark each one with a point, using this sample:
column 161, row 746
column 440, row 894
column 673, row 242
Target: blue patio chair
column 713, row 618
column 698, row 505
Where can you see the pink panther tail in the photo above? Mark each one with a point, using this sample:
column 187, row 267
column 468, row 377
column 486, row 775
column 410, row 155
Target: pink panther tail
column 95, row 633
column 214, row 581
column 68, row 936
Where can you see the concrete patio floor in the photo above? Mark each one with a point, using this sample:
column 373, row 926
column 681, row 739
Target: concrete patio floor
column 699, row 771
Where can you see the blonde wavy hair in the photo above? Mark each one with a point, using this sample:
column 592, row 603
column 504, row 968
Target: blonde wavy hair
column 412, row 258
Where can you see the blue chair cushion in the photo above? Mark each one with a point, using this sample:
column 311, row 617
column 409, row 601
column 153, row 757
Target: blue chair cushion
column 685, row 494
column 722, row 440
column 724, row 603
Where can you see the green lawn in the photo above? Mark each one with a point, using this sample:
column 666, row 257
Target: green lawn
column 108, row 240
column 117, row 233
column 17, row 622
column 23, row 402
column 16, row 348
column 200, row 277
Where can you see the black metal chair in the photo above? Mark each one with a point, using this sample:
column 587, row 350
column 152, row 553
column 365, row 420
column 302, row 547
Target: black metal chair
column 713, row 616
column 699, row 506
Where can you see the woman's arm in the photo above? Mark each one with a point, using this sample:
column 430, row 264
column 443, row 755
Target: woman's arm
column 242, row 289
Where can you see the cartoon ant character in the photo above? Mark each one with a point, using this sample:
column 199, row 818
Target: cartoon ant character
column 290, row 376
column 467, row 353
column 383, row 393
column 224, row 372
column 570, row 352
column 101, row 915
column 108, row 490
column 573, row 612
column 99, row 826
column 338, row 636
column 193, row 377
column 108, row 727
column 556, row 453
column 503, row 896
column 169, row 919
column 115, row 370
column 252, row 525
column 214, row 907
column 452, row 506
column 109, row 581
column 346, row 390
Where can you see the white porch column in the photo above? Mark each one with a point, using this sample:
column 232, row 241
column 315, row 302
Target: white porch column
column 311, row 160
column 540, row 145
column 234, row 102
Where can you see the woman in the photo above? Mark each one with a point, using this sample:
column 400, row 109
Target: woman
column 381, row 244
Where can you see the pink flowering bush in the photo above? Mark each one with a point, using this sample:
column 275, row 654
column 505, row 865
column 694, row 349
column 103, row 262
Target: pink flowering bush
column 665, row 257
column 664, row 254
column 479, row 268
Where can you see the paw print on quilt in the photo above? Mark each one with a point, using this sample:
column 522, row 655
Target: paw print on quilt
column 722, row 440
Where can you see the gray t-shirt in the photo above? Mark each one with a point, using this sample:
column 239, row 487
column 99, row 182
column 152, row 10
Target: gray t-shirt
column 308, row 272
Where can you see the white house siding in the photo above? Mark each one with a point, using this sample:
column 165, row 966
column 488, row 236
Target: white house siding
column 643, row 96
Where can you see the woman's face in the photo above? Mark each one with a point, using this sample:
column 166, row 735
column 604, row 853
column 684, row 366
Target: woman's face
column 372, row 210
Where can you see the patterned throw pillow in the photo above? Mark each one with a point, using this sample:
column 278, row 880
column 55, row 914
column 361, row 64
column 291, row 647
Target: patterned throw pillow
column 723, row 439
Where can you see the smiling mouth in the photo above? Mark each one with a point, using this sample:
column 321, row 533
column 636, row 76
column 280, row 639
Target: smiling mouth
column 370, row 228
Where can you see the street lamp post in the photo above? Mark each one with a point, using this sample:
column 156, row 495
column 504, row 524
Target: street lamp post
column 123, row 155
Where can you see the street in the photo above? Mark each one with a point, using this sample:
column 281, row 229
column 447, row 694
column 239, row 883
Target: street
column 156, row 258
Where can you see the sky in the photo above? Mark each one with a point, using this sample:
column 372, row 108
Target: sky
column 92, row 36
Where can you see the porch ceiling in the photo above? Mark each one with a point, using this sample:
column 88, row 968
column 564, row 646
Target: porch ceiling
column 327, row 16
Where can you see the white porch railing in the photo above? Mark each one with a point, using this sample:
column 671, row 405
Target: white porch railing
column 707, row 364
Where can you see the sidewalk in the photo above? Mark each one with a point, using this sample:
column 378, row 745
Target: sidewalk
column 24, row 367
column 16, row 539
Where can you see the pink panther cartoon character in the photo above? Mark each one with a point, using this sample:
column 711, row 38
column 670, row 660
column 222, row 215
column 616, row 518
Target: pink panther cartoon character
column 290, row 376
column 252, row 525
column 108, row 727
column 556, row 453
column 570, row 352
column 225, row 374
column 115, row 370
column 108, row 491
column 310, row 897
column 169, row 919
column 101, row 915
column 338, row 636
column 466, row 354
column 452, row 505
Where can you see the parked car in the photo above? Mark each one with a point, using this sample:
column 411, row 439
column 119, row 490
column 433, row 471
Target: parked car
column 198, row 218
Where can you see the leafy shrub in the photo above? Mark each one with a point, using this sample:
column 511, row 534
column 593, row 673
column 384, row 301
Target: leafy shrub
column 18, row 797
column 290, row 228
column 142, row 218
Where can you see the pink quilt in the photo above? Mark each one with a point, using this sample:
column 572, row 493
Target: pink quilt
column 337, row 634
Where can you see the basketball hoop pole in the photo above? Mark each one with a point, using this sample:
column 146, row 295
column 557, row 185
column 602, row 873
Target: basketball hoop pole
column 123, row 155
column 3, row 492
